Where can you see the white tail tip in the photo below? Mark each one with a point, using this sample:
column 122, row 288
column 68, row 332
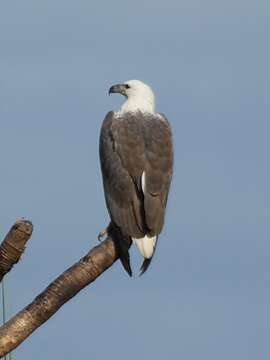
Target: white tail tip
column 146, row 245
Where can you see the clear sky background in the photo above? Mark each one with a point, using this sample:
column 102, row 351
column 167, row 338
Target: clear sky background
column 206, row 295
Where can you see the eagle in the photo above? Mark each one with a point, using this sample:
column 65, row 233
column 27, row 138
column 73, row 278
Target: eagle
column 136, row 158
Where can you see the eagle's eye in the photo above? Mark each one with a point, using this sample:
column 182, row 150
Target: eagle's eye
column 127, row 86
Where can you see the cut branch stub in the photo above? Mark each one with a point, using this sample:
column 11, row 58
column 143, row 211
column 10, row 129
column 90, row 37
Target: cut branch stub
column 13, row 245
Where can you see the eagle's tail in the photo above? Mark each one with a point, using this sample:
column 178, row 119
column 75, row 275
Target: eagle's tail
column 147, row 247
column 147, row 262
column 122, row 243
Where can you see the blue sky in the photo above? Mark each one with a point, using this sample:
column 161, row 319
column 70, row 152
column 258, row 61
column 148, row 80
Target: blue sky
column 206, row 294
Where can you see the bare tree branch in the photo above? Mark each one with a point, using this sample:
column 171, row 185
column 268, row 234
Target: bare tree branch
column 67, row 285
column 13, row 245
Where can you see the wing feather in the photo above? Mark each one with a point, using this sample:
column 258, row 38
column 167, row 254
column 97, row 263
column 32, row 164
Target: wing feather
column 159, row 150
column 121, row 163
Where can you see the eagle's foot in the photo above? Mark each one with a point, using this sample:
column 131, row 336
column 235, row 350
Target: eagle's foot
column 102, row 233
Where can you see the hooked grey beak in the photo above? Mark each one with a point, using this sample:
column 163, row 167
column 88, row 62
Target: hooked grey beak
column 119, row 88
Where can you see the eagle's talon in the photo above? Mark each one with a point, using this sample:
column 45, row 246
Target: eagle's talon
column 102, row 233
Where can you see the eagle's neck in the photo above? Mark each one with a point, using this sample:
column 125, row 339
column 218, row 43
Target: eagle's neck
column 136, row 103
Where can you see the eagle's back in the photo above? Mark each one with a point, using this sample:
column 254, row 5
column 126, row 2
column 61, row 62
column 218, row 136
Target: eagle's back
column 130, row 145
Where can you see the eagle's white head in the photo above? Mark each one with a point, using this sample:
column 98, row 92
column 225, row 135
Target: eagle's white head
column 140, row 96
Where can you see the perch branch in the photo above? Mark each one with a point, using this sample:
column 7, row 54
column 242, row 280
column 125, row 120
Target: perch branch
column 67, row 285
column 13, row 245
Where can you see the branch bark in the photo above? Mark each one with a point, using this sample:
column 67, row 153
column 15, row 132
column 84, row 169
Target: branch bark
column 13, row 245
column 67, row 285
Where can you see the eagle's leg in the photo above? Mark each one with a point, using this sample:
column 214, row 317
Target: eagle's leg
column 103, row 233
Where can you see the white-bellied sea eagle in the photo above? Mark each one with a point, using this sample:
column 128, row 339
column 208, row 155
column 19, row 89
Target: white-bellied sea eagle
column 136, row 155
